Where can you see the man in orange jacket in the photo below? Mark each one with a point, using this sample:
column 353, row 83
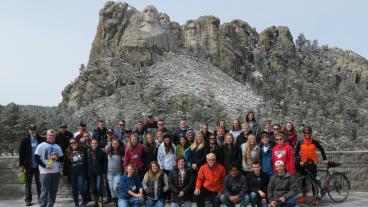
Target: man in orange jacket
column 307, row 159
column 210, row 182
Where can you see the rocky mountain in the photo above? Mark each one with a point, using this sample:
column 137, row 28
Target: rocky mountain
column 142, row 62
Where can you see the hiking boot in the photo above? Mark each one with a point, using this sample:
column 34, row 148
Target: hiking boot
column 302, row 199
column 315, row 202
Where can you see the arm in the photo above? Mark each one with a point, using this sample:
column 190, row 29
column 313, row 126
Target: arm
column 160, row 157
column 21, row 154
column 226, row 186
column 244, row 188
column 200, row 179
column 291, row 161
column 188, row 187
column 297, row 152
column 39, row 161
column 319, row 146
column 126, row 157
column 144, row 182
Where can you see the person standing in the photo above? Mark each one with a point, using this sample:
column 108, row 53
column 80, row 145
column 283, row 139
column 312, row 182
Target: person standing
column 62, row 138
column 27, row 162
column 48, row 156
column 100, row 133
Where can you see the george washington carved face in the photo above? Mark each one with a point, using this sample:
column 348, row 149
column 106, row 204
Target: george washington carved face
column 150, row 14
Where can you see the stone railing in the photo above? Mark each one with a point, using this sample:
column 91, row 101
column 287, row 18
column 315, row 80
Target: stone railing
column 355, row 164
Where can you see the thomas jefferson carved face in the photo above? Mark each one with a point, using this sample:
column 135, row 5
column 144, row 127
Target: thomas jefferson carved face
column 191, row 31
column 164, row 21
column 150, row 14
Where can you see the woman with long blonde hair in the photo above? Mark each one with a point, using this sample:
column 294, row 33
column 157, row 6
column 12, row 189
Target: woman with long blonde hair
column 250, row 153
column 197, row 152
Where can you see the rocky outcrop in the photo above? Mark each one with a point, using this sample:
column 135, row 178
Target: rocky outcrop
column 142, row 61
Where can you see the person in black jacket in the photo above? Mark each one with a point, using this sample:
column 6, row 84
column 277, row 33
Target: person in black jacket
column 235, row 188
column 231, row 154
column 213, row 147
column 76, row 158
column 181, row 184
column 100, row 133
column 63, row 136
column 149, row 151
column 96, row 164
column 257, row 182
column 197, row 153
column 27, row 162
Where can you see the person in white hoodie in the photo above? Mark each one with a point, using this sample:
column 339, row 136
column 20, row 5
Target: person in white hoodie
column 166, row 155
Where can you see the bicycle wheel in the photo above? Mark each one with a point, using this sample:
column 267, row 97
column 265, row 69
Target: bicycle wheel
column 338, row 187
column 308, row 190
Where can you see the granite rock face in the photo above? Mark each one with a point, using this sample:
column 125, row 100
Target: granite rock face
column 142, row 61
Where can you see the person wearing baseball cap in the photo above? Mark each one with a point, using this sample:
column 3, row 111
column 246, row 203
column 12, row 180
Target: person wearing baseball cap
column 63, row 136
column 282, row 188
column 27, row 163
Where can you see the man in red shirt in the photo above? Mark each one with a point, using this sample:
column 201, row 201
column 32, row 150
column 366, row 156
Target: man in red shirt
column 210, row 182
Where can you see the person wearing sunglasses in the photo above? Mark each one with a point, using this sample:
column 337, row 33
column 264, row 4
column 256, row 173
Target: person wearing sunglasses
column 76, row 158
column 283, row 151
column 306, row 157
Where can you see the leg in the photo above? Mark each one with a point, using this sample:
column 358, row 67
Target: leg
column 37, row 179
column 106, row 189
column 74, row 182
column 215, row 201
column 136, row 202
column 245, row 201
column 226, row 201
column 291, row 202
column 115, row 184
column 81, row 182
column 174, row 204
column 187, row 203
column 254, row 199
column 150, row 203
column 29, row 175
column 160, row 203
column 200, row 199
column 123, row 203
column 42, row 202
column 54, row 184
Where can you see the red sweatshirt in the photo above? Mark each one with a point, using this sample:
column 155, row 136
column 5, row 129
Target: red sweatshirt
column 284, row 153
column 211, row 178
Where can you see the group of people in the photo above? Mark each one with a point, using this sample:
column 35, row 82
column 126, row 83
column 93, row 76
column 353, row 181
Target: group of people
column 151, row 165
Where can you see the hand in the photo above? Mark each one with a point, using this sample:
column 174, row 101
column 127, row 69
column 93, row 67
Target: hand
column 54, row 156
column 262, row 194
column 140, row 195
column 181, row 194
column 301, row 163
column 273, row 203
column 282, row 199
column 194, row 166
column 325, row 162
column 197, row 192
column 22, row 169
column 234, row 199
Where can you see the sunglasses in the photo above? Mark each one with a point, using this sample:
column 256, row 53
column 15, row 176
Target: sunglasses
column 121, row 124
column 279, row 139
column 276, row 128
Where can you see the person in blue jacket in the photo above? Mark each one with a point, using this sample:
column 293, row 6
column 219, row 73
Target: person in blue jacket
column 266, row 155
column 130, row 189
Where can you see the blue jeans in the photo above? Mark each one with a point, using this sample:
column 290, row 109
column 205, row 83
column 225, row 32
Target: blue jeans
column 96, row 183
column 114, row 180
column 226, row 201
column 254, row 199
column 78, row 181
column 155, row 203
column 131, row 202
column 291, row 202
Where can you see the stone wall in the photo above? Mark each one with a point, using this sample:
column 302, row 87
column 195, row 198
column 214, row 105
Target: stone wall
column 355, row 165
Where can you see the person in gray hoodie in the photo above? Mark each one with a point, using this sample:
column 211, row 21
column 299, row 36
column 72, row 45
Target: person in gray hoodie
column 282, row 188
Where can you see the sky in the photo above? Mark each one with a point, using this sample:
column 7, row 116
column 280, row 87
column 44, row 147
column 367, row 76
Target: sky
column 43, row 43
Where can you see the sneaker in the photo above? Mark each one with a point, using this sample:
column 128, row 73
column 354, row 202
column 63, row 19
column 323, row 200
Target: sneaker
column 302, row 199
column 315, row 202
column 29, row 203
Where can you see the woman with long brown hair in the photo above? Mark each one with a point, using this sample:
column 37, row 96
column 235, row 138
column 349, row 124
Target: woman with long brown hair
column 76, row 157
column 149, row 151
column 134, row 153
column 155, row 184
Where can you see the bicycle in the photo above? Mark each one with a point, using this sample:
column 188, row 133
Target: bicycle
column 335, row 184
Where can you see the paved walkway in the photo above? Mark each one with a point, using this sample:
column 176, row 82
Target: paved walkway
column 355, row 199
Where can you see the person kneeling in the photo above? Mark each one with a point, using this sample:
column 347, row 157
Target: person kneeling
column 235, row 188
column 282, row 189
column 257, row 181
column 130, row 189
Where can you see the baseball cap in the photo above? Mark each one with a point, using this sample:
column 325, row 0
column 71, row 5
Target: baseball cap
column 279, row 163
